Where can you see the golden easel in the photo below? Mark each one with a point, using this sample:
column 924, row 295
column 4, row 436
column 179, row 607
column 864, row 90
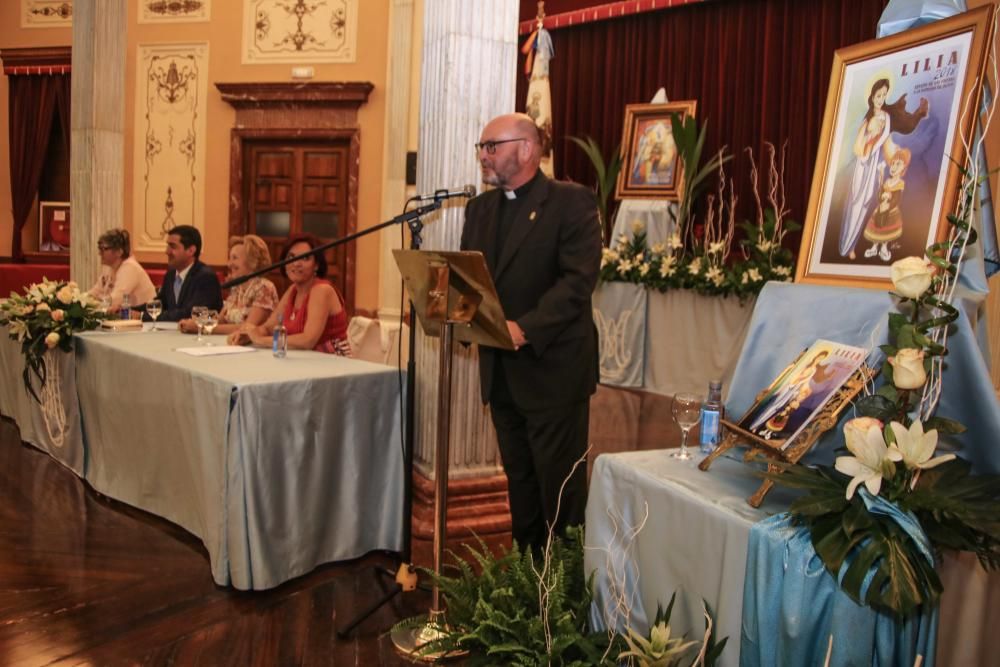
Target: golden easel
column 782, row 450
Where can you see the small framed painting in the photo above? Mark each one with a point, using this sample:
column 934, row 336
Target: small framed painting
column 651, row 167
column 53, row 226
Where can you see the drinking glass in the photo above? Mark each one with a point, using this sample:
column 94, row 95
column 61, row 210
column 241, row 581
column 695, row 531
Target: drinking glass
column 209, row 319
column 197, row 314
column 153, row 309
column 686, row 410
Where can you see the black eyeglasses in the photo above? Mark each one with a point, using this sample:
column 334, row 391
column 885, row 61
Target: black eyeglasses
column 491, row 146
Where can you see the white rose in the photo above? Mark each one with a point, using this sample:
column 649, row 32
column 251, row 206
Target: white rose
column 65, row 294
column 42, row 307
column 911, row 276
column 52, row 340
column 908, row 369
column 856, row 428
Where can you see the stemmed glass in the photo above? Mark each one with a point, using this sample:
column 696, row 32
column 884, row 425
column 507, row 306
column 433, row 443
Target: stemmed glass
column 198, row 314
column 686, row 410
column 153, row 308
column 209, row 319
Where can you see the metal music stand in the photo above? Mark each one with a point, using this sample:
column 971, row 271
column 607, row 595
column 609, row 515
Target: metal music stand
column 455, row 299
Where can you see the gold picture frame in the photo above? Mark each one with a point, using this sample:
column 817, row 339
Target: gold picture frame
column 651, row 166
column 886, row 174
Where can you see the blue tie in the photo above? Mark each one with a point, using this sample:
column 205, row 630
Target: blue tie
column 178, row 281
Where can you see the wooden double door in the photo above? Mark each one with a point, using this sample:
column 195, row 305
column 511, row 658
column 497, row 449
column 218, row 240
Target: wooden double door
column 293, row 187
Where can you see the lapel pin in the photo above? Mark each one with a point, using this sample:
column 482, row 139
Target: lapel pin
column 532, row 216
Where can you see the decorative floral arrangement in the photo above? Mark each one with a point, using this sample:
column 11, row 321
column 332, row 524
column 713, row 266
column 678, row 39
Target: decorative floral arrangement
column 698, row 257
column 522, row 610
column 45, row 318
column 880, row 515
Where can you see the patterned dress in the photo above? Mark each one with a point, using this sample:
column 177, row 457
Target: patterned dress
column 259, row 292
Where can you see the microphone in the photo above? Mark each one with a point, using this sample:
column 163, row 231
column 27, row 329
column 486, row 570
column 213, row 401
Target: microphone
column 438, row 195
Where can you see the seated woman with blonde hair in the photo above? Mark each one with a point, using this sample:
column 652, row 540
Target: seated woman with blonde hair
column 121, row 273
column 249, row 303
column 311, row 309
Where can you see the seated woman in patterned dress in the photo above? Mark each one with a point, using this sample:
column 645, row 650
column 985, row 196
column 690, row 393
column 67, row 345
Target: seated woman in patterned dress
column 248, row 304
column 311, row 309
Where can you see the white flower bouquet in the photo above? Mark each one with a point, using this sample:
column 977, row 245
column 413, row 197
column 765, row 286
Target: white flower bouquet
column 44, row 318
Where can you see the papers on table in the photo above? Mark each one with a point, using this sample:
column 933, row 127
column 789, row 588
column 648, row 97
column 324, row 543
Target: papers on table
column 210, row 351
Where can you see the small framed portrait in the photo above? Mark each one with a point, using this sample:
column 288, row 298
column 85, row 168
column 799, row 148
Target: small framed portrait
column 53, row 226
column 798, row 394
column 651, row 168
column 898, row 114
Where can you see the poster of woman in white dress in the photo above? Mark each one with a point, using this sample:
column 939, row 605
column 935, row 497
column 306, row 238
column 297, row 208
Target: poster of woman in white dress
column 884, row 180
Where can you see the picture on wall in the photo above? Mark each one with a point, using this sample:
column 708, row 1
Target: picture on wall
column 53, row 226
column 651, row 168
column 796, row 396
column 886, row 176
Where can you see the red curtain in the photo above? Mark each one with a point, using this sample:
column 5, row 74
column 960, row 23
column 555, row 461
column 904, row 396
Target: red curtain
column 32, row 104
column 759, row 70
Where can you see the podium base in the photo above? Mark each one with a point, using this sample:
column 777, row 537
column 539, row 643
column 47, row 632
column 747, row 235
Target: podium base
column 410, row 640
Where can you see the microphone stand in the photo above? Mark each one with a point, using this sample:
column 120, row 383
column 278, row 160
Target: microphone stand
column 404, row 577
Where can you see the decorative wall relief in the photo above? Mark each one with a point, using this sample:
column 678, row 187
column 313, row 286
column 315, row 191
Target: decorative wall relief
column 300, row 31
column 171, row 91
column 46, row 13
column 174, row 11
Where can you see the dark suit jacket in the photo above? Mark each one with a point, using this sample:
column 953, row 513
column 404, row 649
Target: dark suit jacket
column 200, row 288
column 544, row 277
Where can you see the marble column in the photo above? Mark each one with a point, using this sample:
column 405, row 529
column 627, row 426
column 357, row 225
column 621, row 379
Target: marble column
column 97, row 144
column 399, row 89
column 467, row 77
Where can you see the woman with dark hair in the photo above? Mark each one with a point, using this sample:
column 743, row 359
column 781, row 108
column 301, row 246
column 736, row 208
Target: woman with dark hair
column 121, row 274
column 311, row 309
column 873, row 143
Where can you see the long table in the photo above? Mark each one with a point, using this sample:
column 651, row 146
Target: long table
column 277, row 465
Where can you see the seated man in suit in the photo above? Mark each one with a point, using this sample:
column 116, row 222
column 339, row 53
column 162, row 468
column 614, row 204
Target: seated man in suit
column 188, row 282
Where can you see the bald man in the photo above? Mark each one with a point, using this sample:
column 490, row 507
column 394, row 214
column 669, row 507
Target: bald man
column 542, row 242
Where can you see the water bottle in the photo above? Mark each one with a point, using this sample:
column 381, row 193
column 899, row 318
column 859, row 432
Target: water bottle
column 279, row 342
column 125, row 312
column 711, row 418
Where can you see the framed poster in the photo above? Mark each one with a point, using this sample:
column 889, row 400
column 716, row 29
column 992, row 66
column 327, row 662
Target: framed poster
column 651, row 167
column 53, row 226
column 886, row 174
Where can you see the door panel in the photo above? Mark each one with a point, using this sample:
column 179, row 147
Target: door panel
column 297, row 187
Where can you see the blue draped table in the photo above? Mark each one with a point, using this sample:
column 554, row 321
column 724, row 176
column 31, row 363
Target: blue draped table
column 695, row 531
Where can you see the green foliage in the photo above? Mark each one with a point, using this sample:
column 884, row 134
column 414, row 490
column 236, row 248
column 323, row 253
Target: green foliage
column 957, row 510
column 607, row 173
column 514, row 610
column 690, row 142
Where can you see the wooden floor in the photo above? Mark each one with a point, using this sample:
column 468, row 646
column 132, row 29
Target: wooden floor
column 85, row 580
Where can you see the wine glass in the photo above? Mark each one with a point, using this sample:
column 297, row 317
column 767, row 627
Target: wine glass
column 209, row 319
column 153, row 308
column 197, row 314
column 686, row 409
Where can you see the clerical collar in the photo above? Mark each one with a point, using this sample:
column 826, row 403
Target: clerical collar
column 523, row 190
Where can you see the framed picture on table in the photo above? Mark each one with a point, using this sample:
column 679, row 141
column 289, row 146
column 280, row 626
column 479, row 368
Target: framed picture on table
column 651, row 167
column 53, row 226
column 899, row 113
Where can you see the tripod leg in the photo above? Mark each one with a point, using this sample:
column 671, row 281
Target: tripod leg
column 366, row 612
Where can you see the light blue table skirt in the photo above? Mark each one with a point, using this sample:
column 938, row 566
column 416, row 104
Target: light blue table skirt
column 792, row 605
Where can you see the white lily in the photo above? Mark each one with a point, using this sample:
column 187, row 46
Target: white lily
column 871, row 460
column 916, row 447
